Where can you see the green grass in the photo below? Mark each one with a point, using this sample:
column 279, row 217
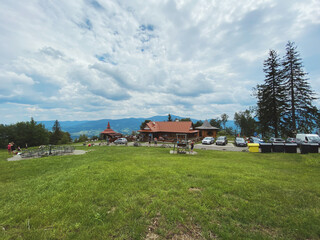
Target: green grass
column 132, row 193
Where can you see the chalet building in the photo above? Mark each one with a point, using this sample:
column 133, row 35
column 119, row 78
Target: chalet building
column 110, row 134
column 206, row 130
column 167, row 130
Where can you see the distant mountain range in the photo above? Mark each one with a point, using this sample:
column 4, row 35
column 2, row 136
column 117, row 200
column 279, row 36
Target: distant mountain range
column 94, row 127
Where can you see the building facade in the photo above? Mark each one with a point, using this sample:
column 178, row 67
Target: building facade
column 167, row 130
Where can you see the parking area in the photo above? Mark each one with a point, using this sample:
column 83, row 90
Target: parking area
column 229, row 147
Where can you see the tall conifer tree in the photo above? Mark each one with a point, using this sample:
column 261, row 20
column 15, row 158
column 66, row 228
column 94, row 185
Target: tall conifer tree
column 271, row 96
column 300, row 115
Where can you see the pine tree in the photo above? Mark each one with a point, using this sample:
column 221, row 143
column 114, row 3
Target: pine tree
column 56, row 133
column 301, row 114
column 271, row 96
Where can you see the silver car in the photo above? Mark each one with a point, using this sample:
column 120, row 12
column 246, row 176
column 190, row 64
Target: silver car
column 121, row 141
column 208, row 140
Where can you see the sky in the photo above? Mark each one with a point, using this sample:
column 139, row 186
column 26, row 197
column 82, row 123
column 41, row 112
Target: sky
column 98, row 59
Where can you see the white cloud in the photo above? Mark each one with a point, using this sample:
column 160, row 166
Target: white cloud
column 88, row 59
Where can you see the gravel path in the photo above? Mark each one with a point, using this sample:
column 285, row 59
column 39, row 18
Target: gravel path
column 18, row 157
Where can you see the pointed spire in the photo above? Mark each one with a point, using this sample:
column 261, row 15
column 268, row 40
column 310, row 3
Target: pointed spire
column 108, row 126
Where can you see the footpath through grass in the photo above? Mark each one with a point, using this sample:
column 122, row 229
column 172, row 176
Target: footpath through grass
column 146, row 193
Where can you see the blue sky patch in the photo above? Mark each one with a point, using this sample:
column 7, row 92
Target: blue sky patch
column 148, row 27
column 106, row 57
column 96, row 5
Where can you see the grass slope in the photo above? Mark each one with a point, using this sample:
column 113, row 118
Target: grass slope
column 144, row 193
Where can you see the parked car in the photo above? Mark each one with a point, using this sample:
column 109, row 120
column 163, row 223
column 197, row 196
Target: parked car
column 240, row 142
column 291, row 140
column 276, row 140
column 121, row 141
column 208, row 140
column 222, row 140
column 255, row 140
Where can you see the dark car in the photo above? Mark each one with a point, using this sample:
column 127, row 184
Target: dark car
column 240, row 142
column 222, row 140
column 255, row 140
column 276, row 140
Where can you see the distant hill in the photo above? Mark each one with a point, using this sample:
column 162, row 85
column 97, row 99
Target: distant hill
column 94, row 127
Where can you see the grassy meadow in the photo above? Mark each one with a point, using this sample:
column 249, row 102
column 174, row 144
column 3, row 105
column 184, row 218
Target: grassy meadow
column 146, row 193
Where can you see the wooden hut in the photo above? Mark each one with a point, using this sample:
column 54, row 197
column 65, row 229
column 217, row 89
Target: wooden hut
column 108, row 133
column 206, row 130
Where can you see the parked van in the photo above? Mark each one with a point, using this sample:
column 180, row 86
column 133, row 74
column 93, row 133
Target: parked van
column 307, row 138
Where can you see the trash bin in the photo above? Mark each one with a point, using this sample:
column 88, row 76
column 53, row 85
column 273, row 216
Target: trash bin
column 304, row 148
column 313, row 148
column 278, row 147
column 290, row 147
column 253, row 147
column 266, row 147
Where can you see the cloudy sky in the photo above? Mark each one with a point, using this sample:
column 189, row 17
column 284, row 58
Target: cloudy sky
column 95, row 59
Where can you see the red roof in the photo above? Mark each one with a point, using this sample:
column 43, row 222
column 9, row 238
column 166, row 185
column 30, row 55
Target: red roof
column 175, row 127
column 109, row 131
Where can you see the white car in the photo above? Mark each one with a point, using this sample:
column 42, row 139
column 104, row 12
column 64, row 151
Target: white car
column 208, row 140
column 121, row 141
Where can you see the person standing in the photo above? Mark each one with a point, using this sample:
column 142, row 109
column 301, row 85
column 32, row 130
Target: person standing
column 9, row 148
column 13, row 147
column 149, row 141
column 155, row 141
column 192, row 145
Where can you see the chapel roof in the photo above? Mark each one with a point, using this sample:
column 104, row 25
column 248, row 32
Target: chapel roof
column 206, row 125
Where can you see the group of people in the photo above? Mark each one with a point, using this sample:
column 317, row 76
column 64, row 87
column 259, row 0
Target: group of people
column 12, row 148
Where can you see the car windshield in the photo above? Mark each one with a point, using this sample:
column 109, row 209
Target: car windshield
column 240, row 140
column 220, row 138
column 207, row 138
column 279, row 139
column 314, row 138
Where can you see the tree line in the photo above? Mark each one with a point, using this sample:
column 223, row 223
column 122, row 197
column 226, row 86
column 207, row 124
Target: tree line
column 30, row 133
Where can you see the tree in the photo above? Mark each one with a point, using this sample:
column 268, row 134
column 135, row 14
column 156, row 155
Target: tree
column 57, row 134
column 66, row 138
column 23, row 133
column 271, row 96
column 245, row 121
column 224, row 119
column 169, row 118
column 198, row 124
column 301, row 114
column 185, row 120
column 143, row 125
column 83, row 138
column 216, row 122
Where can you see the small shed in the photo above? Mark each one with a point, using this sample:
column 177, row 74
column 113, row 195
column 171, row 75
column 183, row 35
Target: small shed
column 207, row 130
